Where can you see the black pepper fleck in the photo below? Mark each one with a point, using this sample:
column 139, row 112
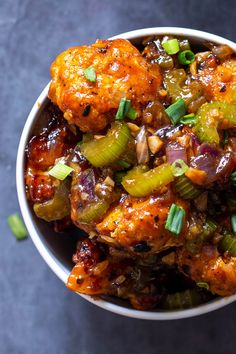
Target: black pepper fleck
column 223, row 88
column 86, row 110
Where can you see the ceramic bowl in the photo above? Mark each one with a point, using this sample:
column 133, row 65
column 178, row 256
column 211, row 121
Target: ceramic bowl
column 57, row 251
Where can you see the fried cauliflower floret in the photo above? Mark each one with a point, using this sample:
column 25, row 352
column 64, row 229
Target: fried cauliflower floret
column 121, row 72
column 138, row 224
column 210, row 267
column 219, row 81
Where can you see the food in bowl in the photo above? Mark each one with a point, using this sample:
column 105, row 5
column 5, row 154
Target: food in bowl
column 139, row 152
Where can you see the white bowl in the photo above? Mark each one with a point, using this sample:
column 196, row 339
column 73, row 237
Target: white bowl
column 56, row 251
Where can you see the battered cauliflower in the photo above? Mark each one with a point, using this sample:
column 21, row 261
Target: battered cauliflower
column 121, row 72
column 210, row 267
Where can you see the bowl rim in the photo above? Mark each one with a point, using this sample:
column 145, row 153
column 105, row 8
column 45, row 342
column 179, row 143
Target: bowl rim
column 55, row 265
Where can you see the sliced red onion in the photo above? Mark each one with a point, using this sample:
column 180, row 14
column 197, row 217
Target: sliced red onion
column 217, row 168
column 175, row 152
column 142, row 147
column 225, row 167
column 208, row 149
column 87, row 184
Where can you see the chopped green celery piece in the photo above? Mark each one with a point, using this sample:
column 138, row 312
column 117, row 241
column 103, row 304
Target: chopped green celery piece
column 106, row 150
column 182, row 300
column 56, row 208
column 228, row 244
column 195, row 245
column 93, row 211
column 175, row 82
column 171, row 46
column 139, row 182
column 185, row 188
column 208, row 122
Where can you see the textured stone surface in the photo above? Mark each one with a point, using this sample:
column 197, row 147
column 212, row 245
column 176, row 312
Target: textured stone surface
column 37, row 314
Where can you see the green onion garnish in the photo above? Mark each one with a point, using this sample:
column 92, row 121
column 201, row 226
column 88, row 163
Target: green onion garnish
column 175, row 219
column 119, row 176
column 186, row 57
column 233, row 178
column 202, row 284
column 60, row 171
column 233, row 223
column 171, row 47
column 90, row 74
column 179, row 167
column 123, row 163
column 189, row 119
column 123, row 109
column 176, row 111
column 17, row 226
column 132, row 114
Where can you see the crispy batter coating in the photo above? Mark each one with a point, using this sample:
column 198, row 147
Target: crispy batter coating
column 121, row 71
column 135, row 223
column 210, row 267
column 42, row 151
column 219, row 81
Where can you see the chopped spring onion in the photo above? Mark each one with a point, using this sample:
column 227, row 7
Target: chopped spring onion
column 119, row 176
column 123, row 164
column 189, row 119
column 171, row 47
column 132, row 114
column 186, row 57
column 179, row 167
column 17, row 226
column 233, row 178
column 123, row 109
column 126, row 110
column 60, row 171
column 202, row 284
column 228, row 244
column 174, row 222
column 176, row 111
column 233, row 223
column 90, row 74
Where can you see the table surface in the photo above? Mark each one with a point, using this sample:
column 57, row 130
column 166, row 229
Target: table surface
column 37, row 313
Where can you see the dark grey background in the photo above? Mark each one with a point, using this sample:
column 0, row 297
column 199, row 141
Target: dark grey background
column 37, row 313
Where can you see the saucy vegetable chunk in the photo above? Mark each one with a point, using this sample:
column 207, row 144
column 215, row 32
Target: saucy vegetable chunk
column 139, row 152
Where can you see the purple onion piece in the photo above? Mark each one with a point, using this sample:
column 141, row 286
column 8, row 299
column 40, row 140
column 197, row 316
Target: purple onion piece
column 208, row 149
column 87, row 183
column 174, row 152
